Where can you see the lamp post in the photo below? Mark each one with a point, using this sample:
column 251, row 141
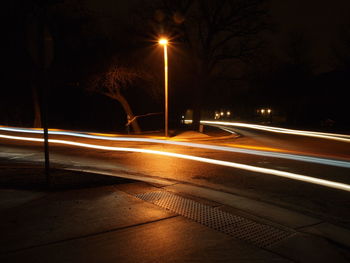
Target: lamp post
column 164, row 43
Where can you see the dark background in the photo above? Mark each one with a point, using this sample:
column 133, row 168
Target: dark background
column 306, row 89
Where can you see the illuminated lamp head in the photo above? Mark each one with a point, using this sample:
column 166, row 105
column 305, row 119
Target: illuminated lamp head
column 163, row 41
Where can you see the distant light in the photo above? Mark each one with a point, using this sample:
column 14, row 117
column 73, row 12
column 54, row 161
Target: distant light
column 269, row 111
column 262, row 111
column 222, row 113
column 163, row 41
column 183, row 117
column 228, row 113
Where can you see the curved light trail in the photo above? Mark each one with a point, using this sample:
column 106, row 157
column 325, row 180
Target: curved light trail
column 298, row 177
column 294, row 157
column 329, row 136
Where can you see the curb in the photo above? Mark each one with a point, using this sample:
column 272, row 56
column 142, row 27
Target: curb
column 233, row 136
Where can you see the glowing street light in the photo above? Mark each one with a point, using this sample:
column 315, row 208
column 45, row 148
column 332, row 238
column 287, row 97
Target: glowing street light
column 164, row 43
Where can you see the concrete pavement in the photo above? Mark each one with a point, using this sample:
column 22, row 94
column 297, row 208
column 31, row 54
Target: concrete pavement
column 105, row 224
column 113, row 224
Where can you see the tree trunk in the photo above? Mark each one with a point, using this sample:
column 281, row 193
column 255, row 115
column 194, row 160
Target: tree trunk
column 37, row 113
column 128, row 111
column 196, row 118
column 200, row 89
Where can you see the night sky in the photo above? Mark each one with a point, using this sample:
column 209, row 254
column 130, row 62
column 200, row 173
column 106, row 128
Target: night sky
column 318, row 21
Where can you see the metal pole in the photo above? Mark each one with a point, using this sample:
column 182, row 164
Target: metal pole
column 46, row 132
column 43, row 60
column 166, row 88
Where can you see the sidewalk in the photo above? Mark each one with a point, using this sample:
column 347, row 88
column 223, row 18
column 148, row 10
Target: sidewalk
column 106, row 224
column 108, row 219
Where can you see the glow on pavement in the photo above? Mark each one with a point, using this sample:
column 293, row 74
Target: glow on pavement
column 295, row 157
column 298, row 177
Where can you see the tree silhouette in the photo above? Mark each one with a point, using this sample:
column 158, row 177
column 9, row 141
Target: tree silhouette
column 341, row 49
column 284, row 82
column 298, row 50
column 212, row 33
column 116, row 79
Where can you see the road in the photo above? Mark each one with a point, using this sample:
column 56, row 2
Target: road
column 235, row 168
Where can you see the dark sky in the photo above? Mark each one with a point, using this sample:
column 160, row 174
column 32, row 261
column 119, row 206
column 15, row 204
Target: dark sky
column 318, row 19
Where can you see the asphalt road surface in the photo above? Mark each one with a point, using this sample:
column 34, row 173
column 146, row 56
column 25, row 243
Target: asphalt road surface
column 330, row 204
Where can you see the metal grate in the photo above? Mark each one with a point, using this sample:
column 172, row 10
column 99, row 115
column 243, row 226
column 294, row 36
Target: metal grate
column 239, row 227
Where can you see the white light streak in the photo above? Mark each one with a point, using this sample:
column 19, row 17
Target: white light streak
column 295, row 157
column 329, row 136
column 293, row 176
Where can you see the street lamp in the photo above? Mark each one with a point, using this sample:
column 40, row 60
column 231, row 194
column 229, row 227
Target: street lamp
column 164, row 43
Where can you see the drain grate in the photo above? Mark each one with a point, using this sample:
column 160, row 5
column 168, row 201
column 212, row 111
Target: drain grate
column 239, row 227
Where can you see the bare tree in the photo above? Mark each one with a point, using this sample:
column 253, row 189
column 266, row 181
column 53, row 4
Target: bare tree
column 285, row 81
column 55, row 21
column 298, row 50
column 341, row 48
column 113, row 81
column 212, row 32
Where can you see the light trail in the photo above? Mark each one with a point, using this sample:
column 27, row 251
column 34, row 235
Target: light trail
column 294, row 157
column 293, row 176
column 329, row 136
